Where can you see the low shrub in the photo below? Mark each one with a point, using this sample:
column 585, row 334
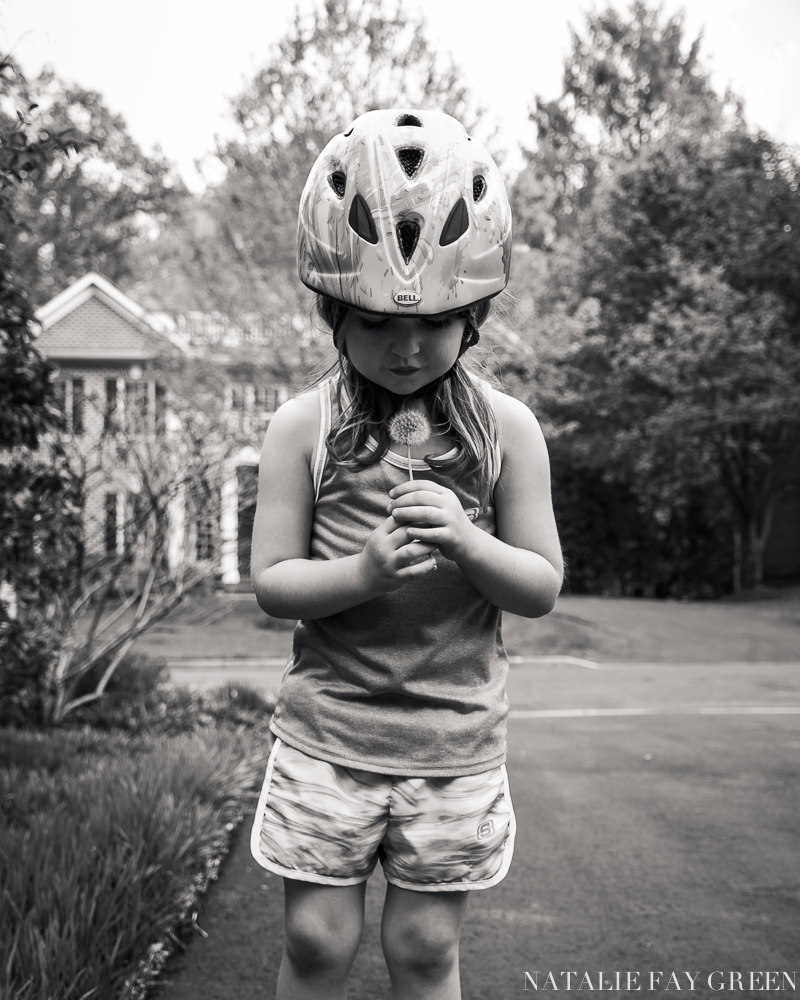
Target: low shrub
column 105, row 841
column 139, row 698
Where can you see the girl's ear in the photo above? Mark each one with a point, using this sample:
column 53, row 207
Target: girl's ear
column 480, row 311
column 471, row 335
column 331, row 312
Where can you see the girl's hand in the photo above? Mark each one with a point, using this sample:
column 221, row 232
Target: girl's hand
column 437, row 515
column 390, row 559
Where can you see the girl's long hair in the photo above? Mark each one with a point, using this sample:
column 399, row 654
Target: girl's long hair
column 458, row 404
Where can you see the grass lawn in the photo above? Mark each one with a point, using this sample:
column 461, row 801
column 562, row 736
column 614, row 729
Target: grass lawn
column 599, row 628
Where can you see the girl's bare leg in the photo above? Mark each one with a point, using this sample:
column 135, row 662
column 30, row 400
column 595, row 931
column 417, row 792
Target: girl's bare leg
column 322, row 935
column 420, row 933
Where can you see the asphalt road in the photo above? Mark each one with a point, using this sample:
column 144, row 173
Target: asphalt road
column 658, row 831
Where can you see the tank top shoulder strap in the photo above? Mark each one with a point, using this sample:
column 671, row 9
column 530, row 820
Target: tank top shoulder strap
column 326, row 387
column 488, row 391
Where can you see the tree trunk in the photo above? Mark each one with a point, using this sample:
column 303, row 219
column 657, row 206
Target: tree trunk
column 754, row 534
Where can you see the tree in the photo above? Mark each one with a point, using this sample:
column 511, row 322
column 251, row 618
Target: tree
column 47, row 579
column 27, row 149
column 683, row 384
column 627, row 82
column 79, row 612
column 92, row 201
column 343, row 59
column 680, row 225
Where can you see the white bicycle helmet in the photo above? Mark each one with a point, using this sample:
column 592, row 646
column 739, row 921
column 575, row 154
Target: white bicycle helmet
column 405, row 214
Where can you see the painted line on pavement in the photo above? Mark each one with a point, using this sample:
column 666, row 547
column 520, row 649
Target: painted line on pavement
column 226, row 662
column 698, row 664
column 572, row 661
column 584, row 713
column 270, row 662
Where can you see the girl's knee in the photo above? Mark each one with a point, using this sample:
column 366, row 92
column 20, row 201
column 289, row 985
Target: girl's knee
column 426, row 950
column 322, row 929
column 315, row 946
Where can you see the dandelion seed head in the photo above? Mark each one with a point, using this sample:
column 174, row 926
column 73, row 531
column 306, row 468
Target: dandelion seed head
column 409, row 427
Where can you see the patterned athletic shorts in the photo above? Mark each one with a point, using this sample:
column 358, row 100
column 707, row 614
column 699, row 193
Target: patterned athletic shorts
column 319, row 822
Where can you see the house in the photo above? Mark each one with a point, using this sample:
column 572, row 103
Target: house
column 105, row 346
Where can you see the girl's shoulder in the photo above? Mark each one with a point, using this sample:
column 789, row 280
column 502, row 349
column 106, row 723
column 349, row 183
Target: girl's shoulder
column 516, row 423
column 297, row 421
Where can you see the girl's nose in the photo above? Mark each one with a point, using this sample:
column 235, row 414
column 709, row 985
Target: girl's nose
column 406, row 341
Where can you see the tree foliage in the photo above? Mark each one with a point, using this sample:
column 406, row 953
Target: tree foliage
column 344, row 58
column 671, row 368
column 92, row 200
column 79, row 609
column 627, row 81
column 27, row 149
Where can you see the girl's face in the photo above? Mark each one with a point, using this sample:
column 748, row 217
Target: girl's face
column 402, row 353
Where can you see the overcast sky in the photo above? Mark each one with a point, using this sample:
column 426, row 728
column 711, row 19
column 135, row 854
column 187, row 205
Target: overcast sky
column 169, row 66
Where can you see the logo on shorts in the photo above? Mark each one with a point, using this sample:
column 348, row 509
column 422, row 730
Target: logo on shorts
column 407, row 298
column 485, row 829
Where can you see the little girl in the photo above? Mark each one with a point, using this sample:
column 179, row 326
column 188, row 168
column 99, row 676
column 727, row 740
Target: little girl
column 390, row 727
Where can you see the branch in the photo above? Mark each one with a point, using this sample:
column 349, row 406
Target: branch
column 161, row 609
column 98, row 691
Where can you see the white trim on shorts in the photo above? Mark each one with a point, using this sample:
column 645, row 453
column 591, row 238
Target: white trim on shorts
column 273, row 866
column 499, row 875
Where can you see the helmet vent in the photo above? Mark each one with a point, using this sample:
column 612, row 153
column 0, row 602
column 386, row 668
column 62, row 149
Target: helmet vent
column 360, row 219
column 337, row 181
column 478, row 187
column 410, row 158
column 457, row 224
column 409, row 120
column 407, row 238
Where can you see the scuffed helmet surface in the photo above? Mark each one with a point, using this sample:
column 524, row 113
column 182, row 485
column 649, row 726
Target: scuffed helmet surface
column 403, row 213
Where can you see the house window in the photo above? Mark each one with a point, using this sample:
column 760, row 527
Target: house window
column 137, row 405
column 161, row 406
column 253, row 405
column 69, row 398
column 267, row 398
column 60, row 396
column 134, row 403
column 110, row 527
column 204, row 548
column 109, row 421
column 77, row 406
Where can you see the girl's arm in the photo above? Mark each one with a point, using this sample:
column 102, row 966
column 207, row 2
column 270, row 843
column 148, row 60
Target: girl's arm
column 287, row 583
column 520, row 569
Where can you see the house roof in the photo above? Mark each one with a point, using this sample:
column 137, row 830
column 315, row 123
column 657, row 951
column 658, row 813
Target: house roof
column 93, row 320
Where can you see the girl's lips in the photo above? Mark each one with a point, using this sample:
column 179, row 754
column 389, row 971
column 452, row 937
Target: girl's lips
column 404, row 371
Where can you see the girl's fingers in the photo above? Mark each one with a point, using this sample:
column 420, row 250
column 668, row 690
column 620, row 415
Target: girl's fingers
column 416, row 498
column 420, row 567
column 415, row 550
column 413, row 485
column 429, row 515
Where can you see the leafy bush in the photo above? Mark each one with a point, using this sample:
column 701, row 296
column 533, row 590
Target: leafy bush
column 140, row 698
column 25, row 657
column 105, row 841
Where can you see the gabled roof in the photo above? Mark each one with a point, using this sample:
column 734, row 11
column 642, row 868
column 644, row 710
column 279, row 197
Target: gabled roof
column 84, row 288
column 73, row 326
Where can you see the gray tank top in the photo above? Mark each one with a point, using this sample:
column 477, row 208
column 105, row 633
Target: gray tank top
column 409, row 683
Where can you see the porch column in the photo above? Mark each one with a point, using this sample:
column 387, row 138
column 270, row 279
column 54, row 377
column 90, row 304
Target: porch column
column 229, row 530
column 177, row 533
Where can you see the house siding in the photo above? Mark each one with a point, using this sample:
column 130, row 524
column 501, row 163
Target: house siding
column 92, row 328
